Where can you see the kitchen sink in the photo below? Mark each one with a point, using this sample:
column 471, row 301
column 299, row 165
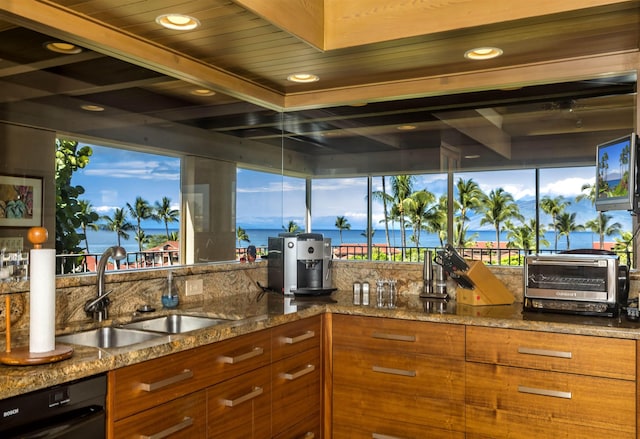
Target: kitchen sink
column 108, row 337
column 174, row 324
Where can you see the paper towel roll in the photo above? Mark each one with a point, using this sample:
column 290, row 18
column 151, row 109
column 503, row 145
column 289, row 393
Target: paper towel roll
column 42, row 300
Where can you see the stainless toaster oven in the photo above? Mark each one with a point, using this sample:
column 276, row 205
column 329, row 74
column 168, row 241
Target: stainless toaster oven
column 591, row 284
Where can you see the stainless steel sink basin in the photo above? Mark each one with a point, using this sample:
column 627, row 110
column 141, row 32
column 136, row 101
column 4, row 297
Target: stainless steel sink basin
column 175, row 324
column 108, row 337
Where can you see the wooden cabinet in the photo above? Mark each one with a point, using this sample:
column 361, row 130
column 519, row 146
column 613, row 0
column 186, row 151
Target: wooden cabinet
column 397, row 378
column 260, row 385
column 523, row 384
column 296, row 378
column 140, row 392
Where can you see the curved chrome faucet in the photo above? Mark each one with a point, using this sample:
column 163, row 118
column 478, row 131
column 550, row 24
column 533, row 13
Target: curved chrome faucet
column 98, row 307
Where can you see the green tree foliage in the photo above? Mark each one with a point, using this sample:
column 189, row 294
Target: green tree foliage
column 140, row 210
column 242, row 235
column 69, row 211
column 342, row 223
column 165, row 214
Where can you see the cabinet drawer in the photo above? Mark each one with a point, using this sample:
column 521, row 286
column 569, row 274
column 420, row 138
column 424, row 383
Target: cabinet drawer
column 182, row 418
column 432, row 377
column 359, row 406
column 392, row 335
column 241, row 407
column 296, row 389
column 308, row 428
column 509, row 402
column 294, row 337
column 374, row 428
column 605, row 357
column 144, row 385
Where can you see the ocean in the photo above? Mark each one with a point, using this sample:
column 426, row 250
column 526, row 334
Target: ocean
column 101, row 240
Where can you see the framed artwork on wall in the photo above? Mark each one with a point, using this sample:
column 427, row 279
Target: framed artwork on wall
column 20, row 201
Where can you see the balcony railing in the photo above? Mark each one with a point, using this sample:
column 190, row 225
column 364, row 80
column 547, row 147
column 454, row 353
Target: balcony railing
column 87, row 262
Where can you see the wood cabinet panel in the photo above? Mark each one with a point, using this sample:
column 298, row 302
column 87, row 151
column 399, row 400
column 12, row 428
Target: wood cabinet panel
column 510, row 402
column 296, row 389
column 295, row 337
column 376, row 428
column 148, row 384
column 587, row 355
column 409, row 374
column 241, row 407
column 395, row 335
column 358, row 407
column 182, row 418
column 308, row 428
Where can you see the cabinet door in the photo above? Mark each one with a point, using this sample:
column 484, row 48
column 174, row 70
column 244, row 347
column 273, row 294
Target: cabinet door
column 295, row 337
column 514, row 403
column 182, row 418
column 581, row 354
column 241, row 407
column 296, row 390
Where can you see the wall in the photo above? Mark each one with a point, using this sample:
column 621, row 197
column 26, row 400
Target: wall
column 30, row 152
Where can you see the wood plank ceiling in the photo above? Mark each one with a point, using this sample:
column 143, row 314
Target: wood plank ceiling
column 370, row 84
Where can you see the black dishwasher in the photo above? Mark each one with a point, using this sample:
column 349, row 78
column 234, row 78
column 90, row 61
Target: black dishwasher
column 68, row 411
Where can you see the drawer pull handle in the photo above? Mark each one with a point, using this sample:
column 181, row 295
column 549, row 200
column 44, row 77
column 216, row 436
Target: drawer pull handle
column 255, row 352
column 396, row 337
column 151, row 387
column 544, row 352
column 300, row 373
column 255, row 392
column 383, row 436
column 306, row 336
column 544, row 392
column 188, row 422
column 308, row 435
column 389, row 370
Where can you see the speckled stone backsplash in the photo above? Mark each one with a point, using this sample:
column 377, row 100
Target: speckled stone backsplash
column 133, row 289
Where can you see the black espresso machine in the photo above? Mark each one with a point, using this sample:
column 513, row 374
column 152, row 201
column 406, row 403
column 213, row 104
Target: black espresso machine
column 300, row 264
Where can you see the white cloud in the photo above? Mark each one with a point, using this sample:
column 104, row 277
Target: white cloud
column 568, row 187
column 138, row 169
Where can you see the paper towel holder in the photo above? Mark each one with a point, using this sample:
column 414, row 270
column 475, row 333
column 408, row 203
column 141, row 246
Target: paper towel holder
column 22, row 356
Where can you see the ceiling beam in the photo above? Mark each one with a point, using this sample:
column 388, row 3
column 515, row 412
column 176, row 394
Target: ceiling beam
column 60, row 22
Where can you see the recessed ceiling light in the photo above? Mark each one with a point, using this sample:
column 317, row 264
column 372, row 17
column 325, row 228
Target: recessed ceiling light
column 482, row 53
column 202, row 92
column 177, row 21
column 62, row 47
column 406, row 127
column 303, row 77
column 90, row 107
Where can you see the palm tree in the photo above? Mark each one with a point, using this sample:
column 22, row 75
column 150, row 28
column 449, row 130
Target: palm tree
column 567, row 224
column 417, row 207
column 88, row 217
column 624, row 244
column 386, row 200
column 402, row 187
column 242, row 235
column 118, row 223
column 470, row 198
column 142, row 238
column 342, row 224
column 523, row 236
column 437, row 220
column 499, row 206
column 554, row 207
column 140, row 210
column 292, row 227
column 600, row 226
column 166, row 214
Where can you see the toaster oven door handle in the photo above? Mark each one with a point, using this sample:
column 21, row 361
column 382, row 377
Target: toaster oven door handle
column 544, row 352
column 591, row 263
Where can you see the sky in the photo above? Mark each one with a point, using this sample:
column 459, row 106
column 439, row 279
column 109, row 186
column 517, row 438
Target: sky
column 115, row 177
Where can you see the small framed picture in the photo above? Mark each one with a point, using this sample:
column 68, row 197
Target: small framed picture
column 20, row 201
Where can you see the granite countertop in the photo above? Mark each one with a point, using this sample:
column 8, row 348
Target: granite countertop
column 246, row 315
